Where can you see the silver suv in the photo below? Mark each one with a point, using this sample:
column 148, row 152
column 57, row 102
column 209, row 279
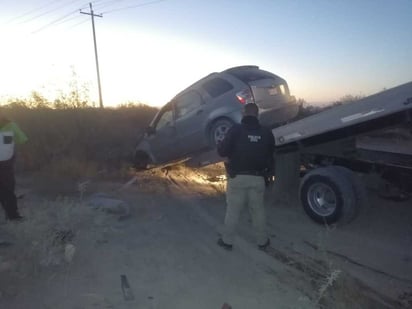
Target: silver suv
column 196, row 119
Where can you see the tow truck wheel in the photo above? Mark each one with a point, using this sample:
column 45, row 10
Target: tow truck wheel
column 328, row 195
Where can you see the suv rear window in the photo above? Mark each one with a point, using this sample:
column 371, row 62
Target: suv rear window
column 247, row 76
column 217, row 86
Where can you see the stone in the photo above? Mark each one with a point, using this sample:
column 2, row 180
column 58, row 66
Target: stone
column 6, row 266
column 109, row 205
column 69, row 251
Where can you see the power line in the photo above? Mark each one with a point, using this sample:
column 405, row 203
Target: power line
column 32, row 11
column 49, row 11
column 133, row 6
column 96, row 1
column 78, row 24
column 65, row 19
column 54, row 22
column 107, row 3
column 70, row 19
column 61, row 20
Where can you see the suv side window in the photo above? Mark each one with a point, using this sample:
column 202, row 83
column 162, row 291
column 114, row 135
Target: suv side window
column 187, row 103
column 217, row 86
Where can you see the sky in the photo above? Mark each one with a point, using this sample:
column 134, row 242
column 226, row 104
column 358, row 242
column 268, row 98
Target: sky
column 149, row 50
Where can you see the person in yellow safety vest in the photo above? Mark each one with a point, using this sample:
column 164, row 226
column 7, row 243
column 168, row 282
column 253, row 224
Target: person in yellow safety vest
column 10, row 134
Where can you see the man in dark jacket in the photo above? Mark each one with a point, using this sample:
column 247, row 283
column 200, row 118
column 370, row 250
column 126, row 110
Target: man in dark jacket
column 249, row 150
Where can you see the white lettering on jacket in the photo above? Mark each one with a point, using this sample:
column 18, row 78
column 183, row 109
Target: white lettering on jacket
column 254, row 138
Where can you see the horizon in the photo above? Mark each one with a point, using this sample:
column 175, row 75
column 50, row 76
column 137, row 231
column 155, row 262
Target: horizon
column 150, row 51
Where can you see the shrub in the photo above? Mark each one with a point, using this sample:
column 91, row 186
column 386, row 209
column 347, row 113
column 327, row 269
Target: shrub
column 103, row 137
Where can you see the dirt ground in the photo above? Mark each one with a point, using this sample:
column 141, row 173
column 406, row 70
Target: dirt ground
column 154, row 246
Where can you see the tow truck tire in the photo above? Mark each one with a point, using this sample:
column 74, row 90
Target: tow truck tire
column 359, row 188
column 328, row 195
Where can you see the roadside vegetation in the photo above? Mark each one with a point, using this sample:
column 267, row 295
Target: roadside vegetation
column 306, row 110
column 69, row 136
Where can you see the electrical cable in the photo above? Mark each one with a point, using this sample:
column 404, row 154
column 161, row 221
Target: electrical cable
column 49, row 11
column 133, row 6
column 32, row 11
column 68, row 17
column 54, row 22
column 107, row 3
column 78, row 24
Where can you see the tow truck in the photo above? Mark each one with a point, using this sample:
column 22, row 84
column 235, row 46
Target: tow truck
column 337, row 146
column 340, row 144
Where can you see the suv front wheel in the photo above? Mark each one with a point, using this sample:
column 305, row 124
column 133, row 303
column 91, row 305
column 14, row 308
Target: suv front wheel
column 141, row 161
column 218, row 131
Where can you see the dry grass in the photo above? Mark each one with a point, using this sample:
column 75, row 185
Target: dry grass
column 210, row 180
column 328, row 283
column 77, row 141
column 40, row 240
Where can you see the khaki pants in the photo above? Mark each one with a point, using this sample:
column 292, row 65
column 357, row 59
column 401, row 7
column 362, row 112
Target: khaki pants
column 241, row 190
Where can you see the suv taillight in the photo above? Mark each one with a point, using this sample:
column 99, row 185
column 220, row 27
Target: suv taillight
column 245, row 96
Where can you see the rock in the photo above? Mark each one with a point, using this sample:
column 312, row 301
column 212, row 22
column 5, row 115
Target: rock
column 69, row 251
column 6, row 238
column 62, row 236
column 127, row 291
column 21, row 193
column 3, row 220
column 109, row 205
column 51, row 257
column 5, row 243
column 6, row 266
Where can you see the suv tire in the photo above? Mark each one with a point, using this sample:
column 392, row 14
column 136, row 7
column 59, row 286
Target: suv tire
column 218, row 130
column 141, row 161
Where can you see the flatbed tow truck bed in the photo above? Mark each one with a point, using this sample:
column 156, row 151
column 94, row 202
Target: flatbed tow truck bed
column 387, row 108
column 337, row 144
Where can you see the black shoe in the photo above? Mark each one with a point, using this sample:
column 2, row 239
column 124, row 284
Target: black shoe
column 265, row 245
column 16, row 218
column 221, row 243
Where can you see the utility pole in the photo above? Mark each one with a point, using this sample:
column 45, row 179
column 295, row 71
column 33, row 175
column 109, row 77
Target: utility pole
column 95, row 51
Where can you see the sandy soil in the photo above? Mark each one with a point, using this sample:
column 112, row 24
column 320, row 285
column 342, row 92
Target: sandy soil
column 68, row 254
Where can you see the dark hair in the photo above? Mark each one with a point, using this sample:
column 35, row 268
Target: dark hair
column 251, row 109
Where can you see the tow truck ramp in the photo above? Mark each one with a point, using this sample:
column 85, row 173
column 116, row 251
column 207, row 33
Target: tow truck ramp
column 384, row 109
